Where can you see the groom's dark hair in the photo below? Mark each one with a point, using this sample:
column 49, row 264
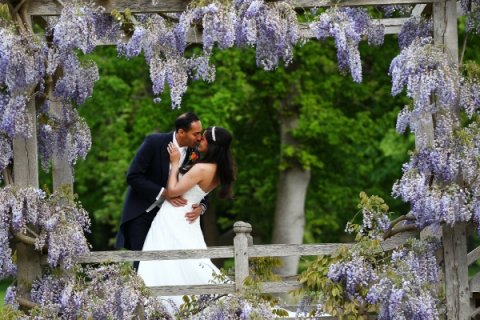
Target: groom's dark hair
column 184, row 121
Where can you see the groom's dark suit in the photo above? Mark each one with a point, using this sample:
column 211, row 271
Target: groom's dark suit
column 147, row 174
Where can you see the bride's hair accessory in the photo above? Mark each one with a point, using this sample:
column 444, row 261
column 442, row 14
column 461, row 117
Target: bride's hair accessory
column 213, row 134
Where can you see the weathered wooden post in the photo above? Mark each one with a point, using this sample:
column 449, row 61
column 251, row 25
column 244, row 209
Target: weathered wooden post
column 454, row 238
column 62, row 173
column 25, row 174
column 240, row 243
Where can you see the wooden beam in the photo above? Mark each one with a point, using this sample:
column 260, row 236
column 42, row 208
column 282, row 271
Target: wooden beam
column 193, row 289
column 53, row 8
column 473, row 255
column 194, row 35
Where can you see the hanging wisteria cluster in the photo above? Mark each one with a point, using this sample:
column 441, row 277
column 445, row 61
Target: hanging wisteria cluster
column 348, row 26
column 405, row 287
column 271, row 27
column 53, row 223
column 390, row 10
column 440, row 180
column 413, row 28
column 471, row 8
column 67, row 131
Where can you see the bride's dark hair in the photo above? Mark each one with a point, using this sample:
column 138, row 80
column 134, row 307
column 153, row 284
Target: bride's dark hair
column 218, row 151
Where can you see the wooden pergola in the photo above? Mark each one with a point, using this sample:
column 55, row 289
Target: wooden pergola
column 444, row 13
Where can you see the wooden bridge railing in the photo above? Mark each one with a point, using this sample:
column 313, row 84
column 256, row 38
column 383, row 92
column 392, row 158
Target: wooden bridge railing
column 241, row 251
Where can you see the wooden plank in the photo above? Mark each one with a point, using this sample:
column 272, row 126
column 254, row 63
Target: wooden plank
column 53, row 8
column 279, row 286
column 392, row 26
column 222, row 288
column 417, row 11
column 279, row 250
column 124, row 256
column 473, row 255
column 474, row 283
column 25, row 153
column 62, row 172
column 457, row 290
column 228, row 251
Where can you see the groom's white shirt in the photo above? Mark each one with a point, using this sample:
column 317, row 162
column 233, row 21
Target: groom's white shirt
column 183, row 152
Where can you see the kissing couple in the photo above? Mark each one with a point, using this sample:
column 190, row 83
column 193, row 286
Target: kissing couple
column 168, row 184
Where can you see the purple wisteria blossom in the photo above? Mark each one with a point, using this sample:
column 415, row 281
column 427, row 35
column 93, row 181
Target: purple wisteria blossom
column 271, row 27
column 430, row 180
column 407, row 288
column 218, row 27
column 6, row 151
column 18, row 207
column 22, row 61
column 10, row 297
column 61, row 224
column 469, row 95
column 375, row 215
column 414, row 28
column 22, row 68
column 347, row 26
column 427, row 73
column 63, row 231
column 14, row 119
column 80, row 26
column 201, row 68
column 471, row 8
column 356, row 273
column 78, row 79
column 390, row 10
column 66, row 135
column 103, row 292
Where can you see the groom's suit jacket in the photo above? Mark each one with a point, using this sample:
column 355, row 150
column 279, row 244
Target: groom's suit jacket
column 146, row 176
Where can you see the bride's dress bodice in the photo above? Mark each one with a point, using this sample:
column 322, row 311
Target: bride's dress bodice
column 170, row 228
column 194, row 195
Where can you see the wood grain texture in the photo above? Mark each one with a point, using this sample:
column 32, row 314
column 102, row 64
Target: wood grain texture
column 53, row 8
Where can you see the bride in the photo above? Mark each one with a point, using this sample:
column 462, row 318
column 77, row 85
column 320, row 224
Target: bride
column 170, row 230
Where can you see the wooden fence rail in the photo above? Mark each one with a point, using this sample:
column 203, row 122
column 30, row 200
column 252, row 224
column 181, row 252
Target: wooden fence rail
column 241, row 251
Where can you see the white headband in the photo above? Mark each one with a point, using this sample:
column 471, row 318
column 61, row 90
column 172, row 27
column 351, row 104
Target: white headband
column 213, row 134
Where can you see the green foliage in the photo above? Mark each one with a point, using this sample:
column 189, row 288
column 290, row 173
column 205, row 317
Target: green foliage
column 9, row 313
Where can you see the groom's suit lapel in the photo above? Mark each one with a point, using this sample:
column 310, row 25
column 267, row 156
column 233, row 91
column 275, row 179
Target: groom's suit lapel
column 164, row 161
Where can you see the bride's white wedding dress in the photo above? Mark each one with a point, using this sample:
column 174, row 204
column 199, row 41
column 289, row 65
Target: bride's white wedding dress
column 171, row 231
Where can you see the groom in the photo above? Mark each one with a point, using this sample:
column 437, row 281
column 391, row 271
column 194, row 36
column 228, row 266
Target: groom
column 148, row 176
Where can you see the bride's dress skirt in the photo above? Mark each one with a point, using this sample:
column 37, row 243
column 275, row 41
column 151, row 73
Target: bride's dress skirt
column 171, row 231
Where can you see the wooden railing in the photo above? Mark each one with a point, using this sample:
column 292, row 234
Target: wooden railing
column 241, row 251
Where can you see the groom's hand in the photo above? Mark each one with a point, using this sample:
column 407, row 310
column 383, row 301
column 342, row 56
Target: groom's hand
column 194, row 214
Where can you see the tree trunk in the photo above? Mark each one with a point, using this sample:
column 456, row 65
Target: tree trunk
column 292, row 187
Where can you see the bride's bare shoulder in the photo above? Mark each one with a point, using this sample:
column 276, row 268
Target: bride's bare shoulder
column 205, row 166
